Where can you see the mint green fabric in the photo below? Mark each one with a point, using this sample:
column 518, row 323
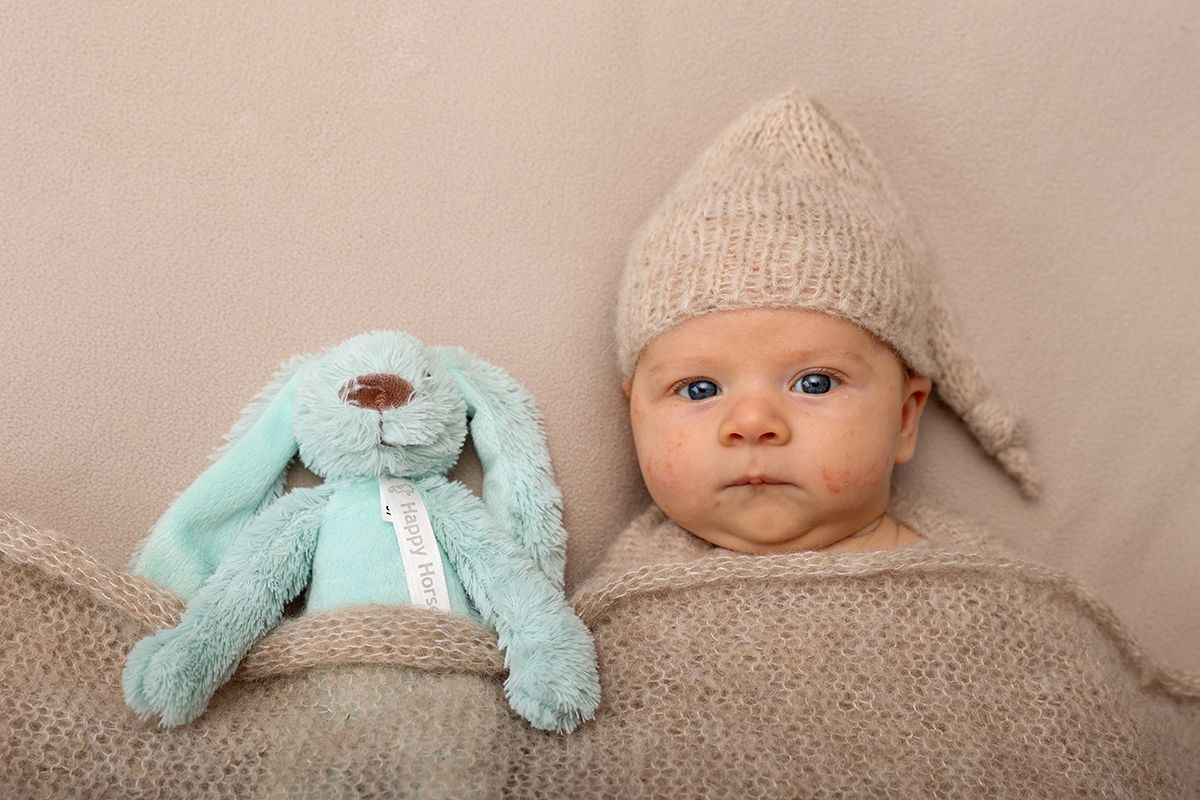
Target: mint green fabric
column 240, row 553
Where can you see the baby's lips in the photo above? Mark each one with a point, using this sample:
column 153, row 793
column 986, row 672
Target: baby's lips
column 756, row 479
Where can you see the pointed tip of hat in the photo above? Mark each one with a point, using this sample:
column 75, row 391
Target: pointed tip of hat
column 794, row 99
column 791, row 98
column 781, row 121
column 797, row 126
column 1017, row 462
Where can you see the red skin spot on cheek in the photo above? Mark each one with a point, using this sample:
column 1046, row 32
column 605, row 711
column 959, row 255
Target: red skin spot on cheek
column 657, row 472
column 836, row 480
column 648, row 469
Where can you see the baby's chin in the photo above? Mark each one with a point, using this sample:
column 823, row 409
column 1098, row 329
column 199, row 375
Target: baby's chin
column 761, row 536
column 780, row 523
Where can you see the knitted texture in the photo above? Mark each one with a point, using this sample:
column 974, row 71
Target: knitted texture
column 946, row 669
column 788, row 208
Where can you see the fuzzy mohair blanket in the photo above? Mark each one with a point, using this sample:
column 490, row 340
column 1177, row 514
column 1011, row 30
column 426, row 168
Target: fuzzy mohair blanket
column 946, row 669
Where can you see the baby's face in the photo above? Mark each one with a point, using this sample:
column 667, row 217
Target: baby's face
column 772, row 430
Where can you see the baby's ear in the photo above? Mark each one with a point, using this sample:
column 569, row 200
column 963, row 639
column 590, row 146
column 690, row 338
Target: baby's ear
column 917, row 389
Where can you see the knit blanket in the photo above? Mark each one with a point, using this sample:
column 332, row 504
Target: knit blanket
column 945, row 669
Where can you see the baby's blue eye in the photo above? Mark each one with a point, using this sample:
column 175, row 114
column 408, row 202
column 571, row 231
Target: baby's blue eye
column 698, row 390
column 815, row 383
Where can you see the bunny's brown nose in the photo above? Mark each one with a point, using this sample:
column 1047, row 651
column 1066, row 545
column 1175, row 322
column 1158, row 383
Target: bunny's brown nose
column 377, row 390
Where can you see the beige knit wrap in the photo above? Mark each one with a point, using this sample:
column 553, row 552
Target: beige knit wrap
column 946, row 669
column 788, row 208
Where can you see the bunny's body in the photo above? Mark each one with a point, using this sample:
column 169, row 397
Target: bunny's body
column 380, row 405
column 357, row 559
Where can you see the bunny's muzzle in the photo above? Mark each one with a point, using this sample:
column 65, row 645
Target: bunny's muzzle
column 378, row 391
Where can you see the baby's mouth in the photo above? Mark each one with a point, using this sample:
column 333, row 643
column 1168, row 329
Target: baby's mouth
column 757, row 480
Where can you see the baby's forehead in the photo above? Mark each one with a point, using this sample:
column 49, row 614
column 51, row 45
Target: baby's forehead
column 765, row 334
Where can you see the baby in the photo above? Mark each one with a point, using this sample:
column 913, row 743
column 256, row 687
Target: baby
column 779, row 336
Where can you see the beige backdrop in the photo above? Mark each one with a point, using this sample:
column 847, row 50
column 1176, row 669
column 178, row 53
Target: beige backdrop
column 192, row 192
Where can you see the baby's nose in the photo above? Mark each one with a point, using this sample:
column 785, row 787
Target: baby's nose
column 757, row 421
column 378, row 390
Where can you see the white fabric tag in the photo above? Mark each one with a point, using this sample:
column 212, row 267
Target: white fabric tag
column 401, row 505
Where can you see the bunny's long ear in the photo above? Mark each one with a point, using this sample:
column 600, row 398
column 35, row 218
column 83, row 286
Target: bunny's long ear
column 518, row 483
column 249, row 470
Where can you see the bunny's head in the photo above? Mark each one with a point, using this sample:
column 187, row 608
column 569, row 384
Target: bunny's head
column 378, row 404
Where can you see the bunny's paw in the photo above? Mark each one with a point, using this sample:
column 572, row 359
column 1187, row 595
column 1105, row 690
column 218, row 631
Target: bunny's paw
column 170, row 675
column 555, row 687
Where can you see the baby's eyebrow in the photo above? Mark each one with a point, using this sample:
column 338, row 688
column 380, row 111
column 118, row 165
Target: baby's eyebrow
column 853, row 355
column 678, row 365
column 701, row 363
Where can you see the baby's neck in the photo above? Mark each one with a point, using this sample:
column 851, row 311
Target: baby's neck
column 883, row 533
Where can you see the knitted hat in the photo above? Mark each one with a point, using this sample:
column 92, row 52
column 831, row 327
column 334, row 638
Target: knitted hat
column 789, row 209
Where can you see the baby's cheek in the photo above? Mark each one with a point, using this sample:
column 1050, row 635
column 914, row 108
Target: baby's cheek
column 637, row 414
column 668, row 467
column 840, row 469
column 873, row 474
column 856, row 471
column 649, row 470
column 670, row 458
column 660, row 470
column 836, row 480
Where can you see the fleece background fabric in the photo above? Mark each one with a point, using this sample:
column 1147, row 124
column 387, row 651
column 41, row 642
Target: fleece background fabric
column 195, row 191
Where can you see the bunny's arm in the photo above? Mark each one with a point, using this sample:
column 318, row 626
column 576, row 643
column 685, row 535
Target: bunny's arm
column 175, row 672
column 551, row 658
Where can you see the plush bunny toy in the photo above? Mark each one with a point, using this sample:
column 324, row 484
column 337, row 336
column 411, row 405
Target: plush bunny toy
column 381, row 418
